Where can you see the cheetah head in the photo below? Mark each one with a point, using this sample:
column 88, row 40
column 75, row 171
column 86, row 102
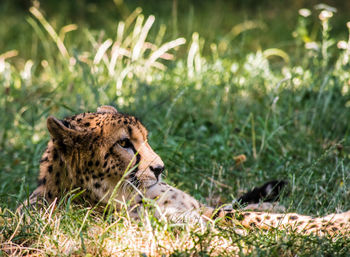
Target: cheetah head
column 107, row 145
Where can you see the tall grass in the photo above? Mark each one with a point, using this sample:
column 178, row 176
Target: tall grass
column 286, row 110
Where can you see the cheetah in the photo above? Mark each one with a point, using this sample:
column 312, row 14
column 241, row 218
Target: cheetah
column 106, row 154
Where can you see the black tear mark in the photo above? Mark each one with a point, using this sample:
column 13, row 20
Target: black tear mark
column 132, row 175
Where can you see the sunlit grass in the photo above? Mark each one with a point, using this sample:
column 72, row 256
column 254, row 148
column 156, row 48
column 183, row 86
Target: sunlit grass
column 286, row 110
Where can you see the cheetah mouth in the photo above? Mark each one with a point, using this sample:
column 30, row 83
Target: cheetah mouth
column 142, row 183
column 135, row 181
column 143, row 179
column 149, row 183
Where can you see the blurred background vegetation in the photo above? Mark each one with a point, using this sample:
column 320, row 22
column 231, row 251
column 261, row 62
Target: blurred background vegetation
column 274, row 21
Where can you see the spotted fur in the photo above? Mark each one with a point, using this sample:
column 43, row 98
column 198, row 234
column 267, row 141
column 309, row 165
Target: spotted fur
column 108, row 151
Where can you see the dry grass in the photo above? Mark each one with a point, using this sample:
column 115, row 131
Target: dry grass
column 60, row 232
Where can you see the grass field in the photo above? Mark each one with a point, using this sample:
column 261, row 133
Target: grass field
column 278, row 92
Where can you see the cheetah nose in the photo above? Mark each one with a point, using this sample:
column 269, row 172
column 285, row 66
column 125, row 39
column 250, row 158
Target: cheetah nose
column 157, row 170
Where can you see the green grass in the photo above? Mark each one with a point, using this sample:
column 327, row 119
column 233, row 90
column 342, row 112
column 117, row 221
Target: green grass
column 286, row 109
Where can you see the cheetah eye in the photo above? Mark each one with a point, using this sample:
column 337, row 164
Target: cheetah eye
column 125, row 143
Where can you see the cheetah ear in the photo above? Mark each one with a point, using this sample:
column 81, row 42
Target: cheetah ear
column 60, row 131
column 106, row 108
